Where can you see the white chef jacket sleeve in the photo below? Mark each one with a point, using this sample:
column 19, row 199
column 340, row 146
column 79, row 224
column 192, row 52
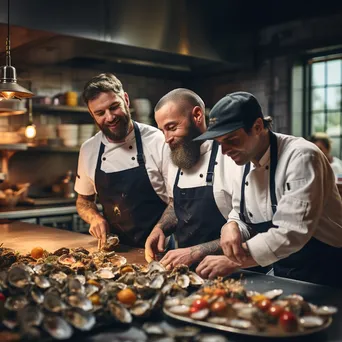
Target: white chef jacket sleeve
column 84, row 185
column 244, row 229
column 298, row 210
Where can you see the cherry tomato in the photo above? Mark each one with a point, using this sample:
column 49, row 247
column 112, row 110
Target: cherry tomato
column 200, row 303
column 218, row 307
column 2, row 297
column 275, row 310
column 264, row 304
column 220, row 292
column 288, row 321
column 193, row 309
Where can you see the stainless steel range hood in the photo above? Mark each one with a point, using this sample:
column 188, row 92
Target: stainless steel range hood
column 171, row 34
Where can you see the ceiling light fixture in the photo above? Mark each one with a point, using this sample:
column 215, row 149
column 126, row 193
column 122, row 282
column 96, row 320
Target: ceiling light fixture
column 30, row 130
column 9, row 88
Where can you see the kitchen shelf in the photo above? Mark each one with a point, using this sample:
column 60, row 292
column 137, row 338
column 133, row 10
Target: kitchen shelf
column 31, row 147
column 59, row 108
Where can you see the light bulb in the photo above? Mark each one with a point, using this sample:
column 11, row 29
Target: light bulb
column 30, row 131
column 7, row 94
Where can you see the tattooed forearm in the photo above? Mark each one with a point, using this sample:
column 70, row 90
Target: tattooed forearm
column 86, row 207
column 168, row 220
column 209, row 248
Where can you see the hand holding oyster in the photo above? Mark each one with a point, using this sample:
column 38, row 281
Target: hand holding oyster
column 111, row 242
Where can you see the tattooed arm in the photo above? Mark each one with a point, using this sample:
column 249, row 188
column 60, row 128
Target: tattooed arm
column 198, row 252
column 168, row 220
column 87, row 209
column 156, row 240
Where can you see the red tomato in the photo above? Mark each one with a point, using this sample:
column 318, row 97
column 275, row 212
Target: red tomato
column 218, row 307
column 200, row 304
column 288, row 321
column 264, row 304
column 2, row 297
column 193, row 310
column 275, row 310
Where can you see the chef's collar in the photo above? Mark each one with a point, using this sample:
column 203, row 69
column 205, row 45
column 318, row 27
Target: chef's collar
column 128, row 138
column 206, row 146
column 264, row 160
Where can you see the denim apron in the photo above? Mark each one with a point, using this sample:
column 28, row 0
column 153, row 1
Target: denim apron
column 316, row 261
column 130, row 204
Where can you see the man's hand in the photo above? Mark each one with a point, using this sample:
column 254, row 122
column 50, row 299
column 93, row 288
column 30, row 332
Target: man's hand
column 216, row 266
column 231, row 243
column 99, row 228
column 154, row 243
column 176, row 257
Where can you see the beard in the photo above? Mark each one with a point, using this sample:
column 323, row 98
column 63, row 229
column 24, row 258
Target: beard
column 121, row 129
column 186, row 153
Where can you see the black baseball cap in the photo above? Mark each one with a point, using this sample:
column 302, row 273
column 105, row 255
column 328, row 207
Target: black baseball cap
column 232, row 112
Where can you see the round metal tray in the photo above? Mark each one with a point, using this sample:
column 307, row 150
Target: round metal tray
column 270, row 333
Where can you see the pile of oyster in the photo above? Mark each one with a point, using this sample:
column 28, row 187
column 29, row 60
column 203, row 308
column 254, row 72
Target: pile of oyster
column 72, row 290
column 227, row 303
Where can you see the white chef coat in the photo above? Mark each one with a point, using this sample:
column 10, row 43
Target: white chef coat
column 196, row 176
column 309, row 204
column 336, row 165
column 123, row 156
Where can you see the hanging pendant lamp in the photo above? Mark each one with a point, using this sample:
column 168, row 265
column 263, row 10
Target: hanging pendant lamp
column 9, row 88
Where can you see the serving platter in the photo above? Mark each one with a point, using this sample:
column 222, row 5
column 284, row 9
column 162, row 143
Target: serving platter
column 272, row 331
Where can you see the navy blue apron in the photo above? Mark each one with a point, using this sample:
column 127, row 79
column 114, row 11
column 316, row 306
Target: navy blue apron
column 199, row 219
column 316, row 261
column 130, row 204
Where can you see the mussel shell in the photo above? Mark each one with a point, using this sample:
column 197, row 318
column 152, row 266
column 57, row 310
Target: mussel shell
column 80, row 319
column 61, row 251
column 75, row 286
column 37, row 295
column 141, row 308
column 57, row 327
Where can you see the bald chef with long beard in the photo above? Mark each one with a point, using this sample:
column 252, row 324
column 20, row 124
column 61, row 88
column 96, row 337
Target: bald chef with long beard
column 199, row 184
column 125, row 164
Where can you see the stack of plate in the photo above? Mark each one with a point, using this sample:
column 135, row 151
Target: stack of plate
column 69, row 134
column 85, row 132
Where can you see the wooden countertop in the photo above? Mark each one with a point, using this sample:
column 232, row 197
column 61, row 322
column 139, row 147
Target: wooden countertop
column 22, row 237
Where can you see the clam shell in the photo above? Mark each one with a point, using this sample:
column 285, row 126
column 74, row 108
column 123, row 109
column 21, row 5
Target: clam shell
column 141, row 308
column 240, row 324
column 118, row 260
column 30, row 315
column 156, row 266
column 119, row 312
column 200, row 314
column 57, row 327
column 104, row 273
column 18, row 277
column 53, row 303
column 195, row 279
column 325, row 310
column 80, row 301
column 273, row 293
column 157, row 281
column 42, row 282
column 183, row 280
column 311, row 322
column 60, row 277
column 179, row 309
column 37, row 295
column 15, row 303
column 66, row 259
column 80, row 319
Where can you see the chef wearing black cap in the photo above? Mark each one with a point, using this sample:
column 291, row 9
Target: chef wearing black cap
column 286, row 207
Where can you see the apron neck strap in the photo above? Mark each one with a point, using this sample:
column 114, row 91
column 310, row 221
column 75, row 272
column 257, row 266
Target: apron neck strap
column 140, row 153
column 272, row 187
column 210, row 172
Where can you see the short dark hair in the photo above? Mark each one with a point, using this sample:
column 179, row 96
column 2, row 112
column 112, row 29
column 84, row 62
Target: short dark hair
column 181, row 95
column 102, row 83
column 321, row 137
column 248, row 124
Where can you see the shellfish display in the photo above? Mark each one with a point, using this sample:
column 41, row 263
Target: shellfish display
column 226, row 305
column 72, row 290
